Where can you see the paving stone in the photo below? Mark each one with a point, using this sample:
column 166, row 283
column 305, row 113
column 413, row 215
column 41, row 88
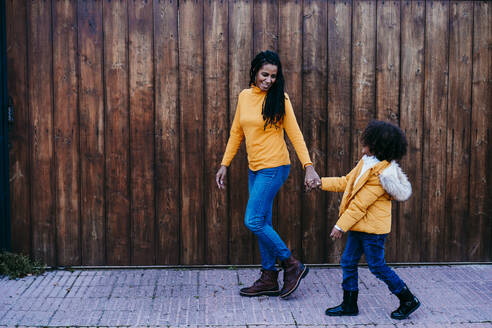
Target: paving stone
column 457, row 296
column 12, row 317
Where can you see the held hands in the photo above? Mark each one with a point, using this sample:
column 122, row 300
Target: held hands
column 311, row 180
column 220, row 177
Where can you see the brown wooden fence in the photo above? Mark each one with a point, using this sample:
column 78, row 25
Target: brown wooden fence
column 122, row 112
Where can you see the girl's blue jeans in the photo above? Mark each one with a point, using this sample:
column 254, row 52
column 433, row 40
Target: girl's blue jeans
column 372, row 246
column 263, row 186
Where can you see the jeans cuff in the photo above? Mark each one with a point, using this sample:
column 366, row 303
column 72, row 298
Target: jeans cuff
column 285, row 258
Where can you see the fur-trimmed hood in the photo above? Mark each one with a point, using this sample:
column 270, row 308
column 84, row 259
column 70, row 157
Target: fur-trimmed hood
column 395, row 182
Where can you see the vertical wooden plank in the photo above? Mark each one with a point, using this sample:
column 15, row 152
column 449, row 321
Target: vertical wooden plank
column 314, row 98
column 265, row 24
column 458, row 129
column 363, row 71
column 434, row 150
column 290, row 52
column 241, row 247
column 167, row 131
column 388, row 61
column 19, row 154
column 364, row 36
column 216, row 119
column 141, row 131
column 487, row 227
column 387, row 86
column 6, row 227
column 118, row 241
column 411, row 121
column 66, row 132
column 92, row 149
column 41, row 128
column 478, row 246
column 265, row 37
column 339, row 94
column 192, row 139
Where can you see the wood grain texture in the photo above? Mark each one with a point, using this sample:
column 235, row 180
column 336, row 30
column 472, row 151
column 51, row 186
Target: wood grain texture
column 120, row 123
column 364, row 23
column 19, row 153
column 265, row 24
column 39, row 43
column 265, row 37
column 167, row 142
column 141, row 92
column 289, row 205
column 411, row 121
column 387, row 84
column 363, row 71
column 458, row 128
column 92, row 132
column 241, row 240
column 192, row 135
column 117, row 135
column 388, row 61
column 487, row 226
column 479, row 246
column 66, row 132
column 314, row 123
column 339, row 105
column 216, row 117
column 434, row 133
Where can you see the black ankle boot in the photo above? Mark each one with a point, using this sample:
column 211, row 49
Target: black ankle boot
column 408, row 304
column 348, row 306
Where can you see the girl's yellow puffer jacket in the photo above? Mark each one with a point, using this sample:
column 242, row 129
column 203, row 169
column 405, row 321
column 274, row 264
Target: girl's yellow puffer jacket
column 366, row 207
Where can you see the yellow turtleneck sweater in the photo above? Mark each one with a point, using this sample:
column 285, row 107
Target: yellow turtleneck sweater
column 266, row 148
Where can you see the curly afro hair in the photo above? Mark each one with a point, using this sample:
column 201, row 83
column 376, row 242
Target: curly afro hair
column 385, row 140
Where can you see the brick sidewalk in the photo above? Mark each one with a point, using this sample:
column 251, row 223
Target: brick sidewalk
column 457, row 296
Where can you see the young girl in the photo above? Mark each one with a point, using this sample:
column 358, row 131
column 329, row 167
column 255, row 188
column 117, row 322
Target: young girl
column 365, row 212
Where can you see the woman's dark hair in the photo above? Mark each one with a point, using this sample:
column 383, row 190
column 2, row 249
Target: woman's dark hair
column 385, row 140
column 273, row 108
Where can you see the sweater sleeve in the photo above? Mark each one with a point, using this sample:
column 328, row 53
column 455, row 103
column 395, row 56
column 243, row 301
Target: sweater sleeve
column 294, row 133
column 235, row 138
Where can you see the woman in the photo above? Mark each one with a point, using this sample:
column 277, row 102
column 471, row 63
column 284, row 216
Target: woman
column 263, row 113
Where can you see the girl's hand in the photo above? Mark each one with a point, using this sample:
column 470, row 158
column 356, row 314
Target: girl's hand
column 220, row 177
column 336, row 234
column 311, row 179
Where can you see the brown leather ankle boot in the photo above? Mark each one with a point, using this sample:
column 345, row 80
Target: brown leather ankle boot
column 266, row 285
column 294, row 271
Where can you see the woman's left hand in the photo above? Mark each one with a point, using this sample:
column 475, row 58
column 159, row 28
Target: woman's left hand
column 311, row 179
column 336, row 234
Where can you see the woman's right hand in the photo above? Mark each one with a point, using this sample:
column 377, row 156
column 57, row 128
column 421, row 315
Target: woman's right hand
column 311, row 179
column 220, row 177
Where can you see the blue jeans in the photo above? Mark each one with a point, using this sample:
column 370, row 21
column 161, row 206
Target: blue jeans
column 372, row 246
column 263, row 186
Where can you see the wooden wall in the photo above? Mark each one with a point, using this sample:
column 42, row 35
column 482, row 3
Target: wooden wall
column 123, row 109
